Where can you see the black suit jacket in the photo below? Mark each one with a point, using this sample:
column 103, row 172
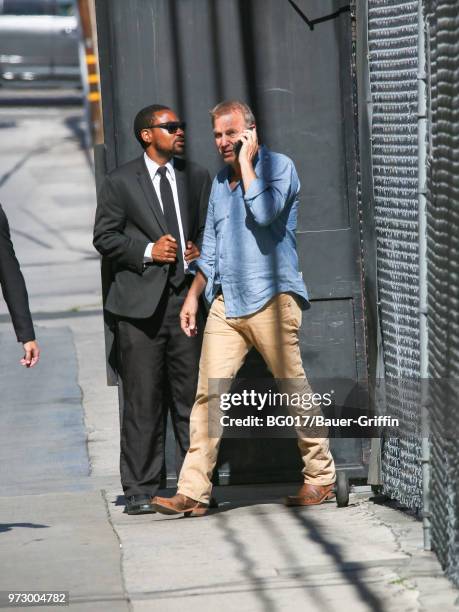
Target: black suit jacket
column 129, row 216
column 13, row 285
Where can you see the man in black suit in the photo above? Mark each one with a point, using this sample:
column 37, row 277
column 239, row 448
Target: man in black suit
column 15, row 294
column 149, row 222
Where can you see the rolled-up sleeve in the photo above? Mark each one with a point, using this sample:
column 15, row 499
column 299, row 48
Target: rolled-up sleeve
column 268, row 195
column 206, row 261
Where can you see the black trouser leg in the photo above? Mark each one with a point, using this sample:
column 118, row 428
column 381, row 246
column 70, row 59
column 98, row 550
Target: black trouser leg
column 142, row 347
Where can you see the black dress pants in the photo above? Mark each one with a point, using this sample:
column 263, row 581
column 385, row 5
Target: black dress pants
column 158, row 362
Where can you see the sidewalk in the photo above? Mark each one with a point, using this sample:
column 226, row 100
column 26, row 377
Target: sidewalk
column 62, row 525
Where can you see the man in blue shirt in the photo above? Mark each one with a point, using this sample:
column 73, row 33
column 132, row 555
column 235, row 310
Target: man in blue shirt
column 248, row 268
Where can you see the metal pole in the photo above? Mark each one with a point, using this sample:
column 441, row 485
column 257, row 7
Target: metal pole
column 423, row 323
column 90, row 71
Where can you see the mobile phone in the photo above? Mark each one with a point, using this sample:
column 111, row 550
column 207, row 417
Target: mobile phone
column 237, row 146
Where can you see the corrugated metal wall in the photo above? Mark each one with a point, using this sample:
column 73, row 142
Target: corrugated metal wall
column 392, row 40
column 443, row 277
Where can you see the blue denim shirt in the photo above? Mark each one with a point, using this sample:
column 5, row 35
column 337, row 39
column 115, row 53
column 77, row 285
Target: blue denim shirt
column 249, row 246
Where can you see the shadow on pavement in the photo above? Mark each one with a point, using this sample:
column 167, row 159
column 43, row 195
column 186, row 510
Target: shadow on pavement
column 349, row 572
column 10, row 526
column 354, row 577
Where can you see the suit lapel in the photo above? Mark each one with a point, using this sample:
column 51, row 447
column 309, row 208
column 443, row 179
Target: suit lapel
column 182, row 191
column 150, row 194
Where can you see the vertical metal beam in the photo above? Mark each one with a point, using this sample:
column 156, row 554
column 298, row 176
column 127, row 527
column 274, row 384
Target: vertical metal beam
column 423, row 323
column 90, row 71
column 368, row 231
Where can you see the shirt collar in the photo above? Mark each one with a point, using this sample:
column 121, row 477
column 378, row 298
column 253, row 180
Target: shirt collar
column 152, row 167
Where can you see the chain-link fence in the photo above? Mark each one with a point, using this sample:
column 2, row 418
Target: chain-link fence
column 443, row 276
column 393, row 40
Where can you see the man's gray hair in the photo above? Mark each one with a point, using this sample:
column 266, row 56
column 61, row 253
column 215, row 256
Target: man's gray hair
column 228, row 106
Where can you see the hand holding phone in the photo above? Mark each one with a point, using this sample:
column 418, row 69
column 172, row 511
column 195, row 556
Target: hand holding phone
column 237, row 146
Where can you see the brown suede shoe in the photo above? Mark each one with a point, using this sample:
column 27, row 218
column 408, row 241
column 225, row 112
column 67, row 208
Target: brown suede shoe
column 179, row 504
column 310, row 495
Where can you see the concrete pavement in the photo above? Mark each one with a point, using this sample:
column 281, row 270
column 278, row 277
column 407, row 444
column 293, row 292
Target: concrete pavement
column 62, row 522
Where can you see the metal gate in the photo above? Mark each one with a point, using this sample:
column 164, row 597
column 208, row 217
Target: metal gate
column 191, row 54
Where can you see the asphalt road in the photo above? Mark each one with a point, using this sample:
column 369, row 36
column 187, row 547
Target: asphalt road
column 54, row 530
column 22, row 94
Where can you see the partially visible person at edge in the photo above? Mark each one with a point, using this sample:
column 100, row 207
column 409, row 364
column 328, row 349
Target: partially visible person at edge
column 248, row 269
column 15, row 293
column 149, row 223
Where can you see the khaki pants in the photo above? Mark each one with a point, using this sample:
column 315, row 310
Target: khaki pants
column 273, row 331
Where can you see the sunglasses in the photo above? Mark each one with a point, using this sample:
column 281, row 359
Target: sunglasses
column 171, row 126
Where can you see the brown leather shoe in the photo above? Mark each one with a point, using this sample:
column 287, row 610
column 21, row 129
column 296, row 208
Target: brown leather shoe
column 179, row 504
column 310, row 495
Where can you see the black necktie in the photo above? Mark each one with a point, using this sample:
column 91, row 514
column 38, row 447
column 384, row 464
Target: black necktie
column 176, row 271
